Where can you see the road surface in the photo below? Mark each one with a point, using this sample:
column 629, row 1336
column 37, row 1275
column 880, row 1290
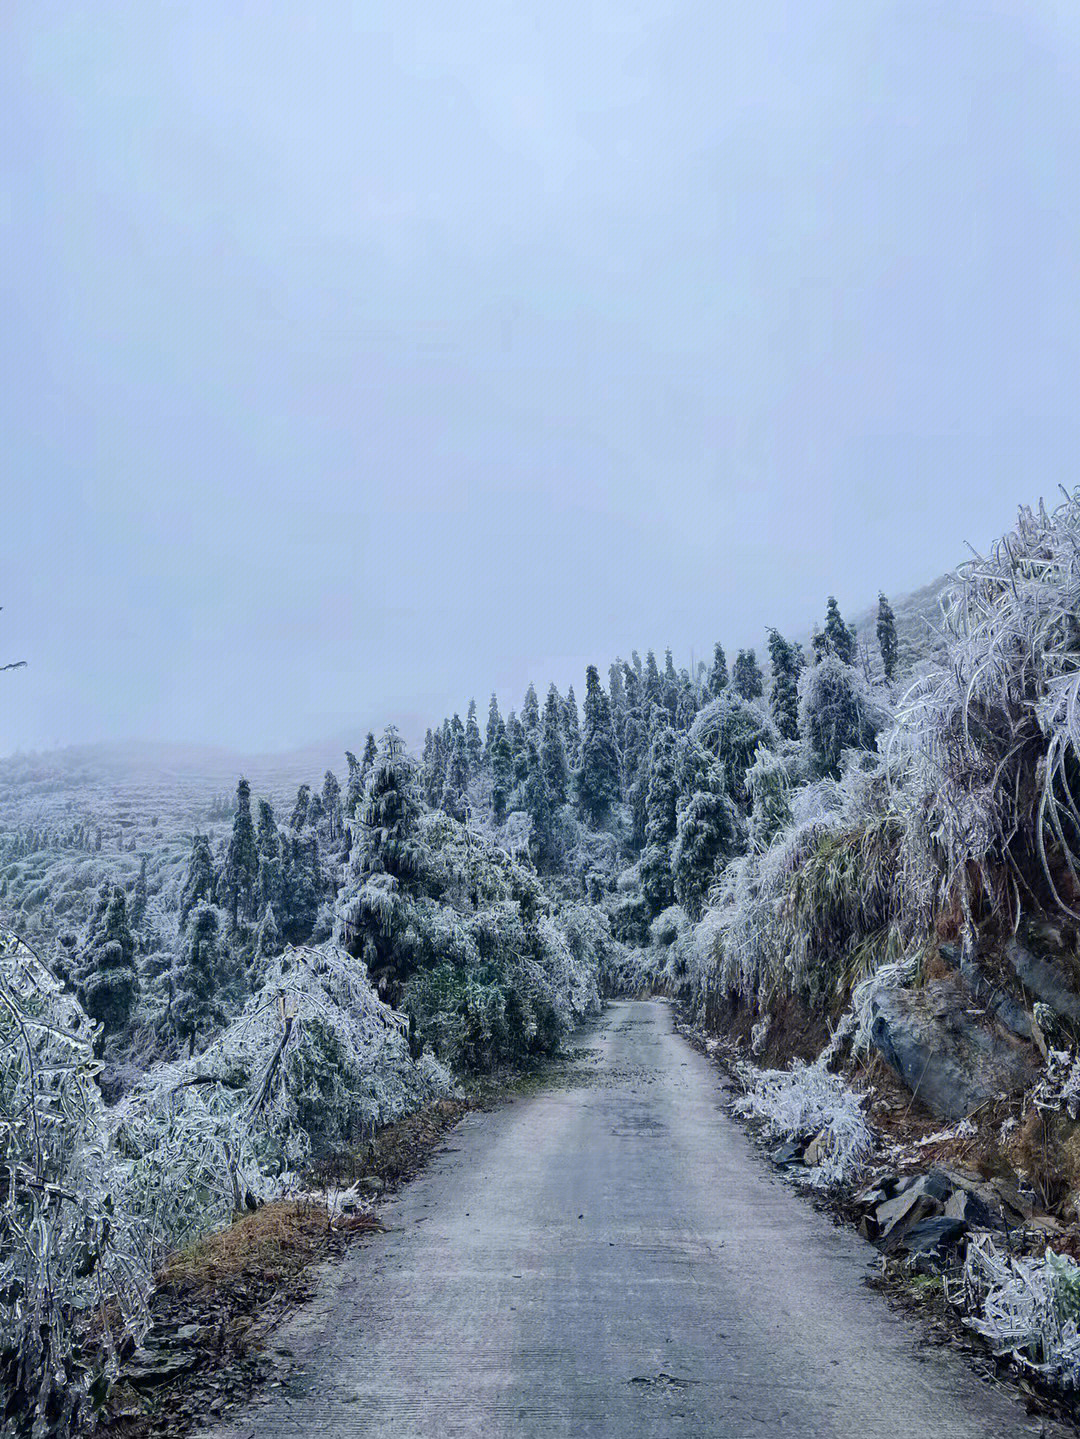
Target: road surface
column 609, row 1257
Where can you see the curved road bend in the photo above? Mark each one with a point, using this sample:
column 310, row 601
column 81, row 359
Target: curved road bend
column 608, row 1257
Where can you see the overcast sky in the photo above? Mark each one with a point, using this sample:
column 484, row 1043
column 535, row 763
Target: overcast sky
column 359, row 357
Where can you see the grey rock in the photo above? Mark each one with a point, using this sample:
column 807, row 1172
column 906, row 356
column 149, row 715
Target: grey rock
column 788, row 1153
column 951, row 1060
column 1046, row 979
column 937, row 1232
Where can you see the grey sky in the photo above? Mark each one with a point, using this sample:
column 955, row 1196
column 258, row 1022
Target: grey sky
column 357, row 358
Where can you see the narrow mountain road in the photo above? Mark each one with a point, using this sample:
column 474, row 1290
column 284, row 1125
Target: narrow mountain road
column 609, row 1257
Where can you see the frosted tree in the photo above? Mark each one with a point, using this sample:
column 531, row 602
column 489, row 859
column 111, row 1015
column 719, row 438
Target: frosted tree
column 494, row 727
column 474, row 745
column 786, row 663
column 331, row 805
column 238, row 884
column 199, row 882
column 651, row 685
column 538, row 806
column 354, row 785
column 302, row 886
column 299, row 816
column 530, row 712
column 502, row 774
column 374, row 908
column 571, row 729
column 707, row 832
column 140, row 898
column 268, row 940
column 107, row 979
column 456, row 785
column 835, row 714
column 553, row 763
column 837, row 638
column 371, row 749
column 886, row 636
column 746, row 676
column 268, row 845
column 670, row 685
column 598, row 776
column 197, row 1010
column 770, row 812
column 731, row 730
column 661, row 807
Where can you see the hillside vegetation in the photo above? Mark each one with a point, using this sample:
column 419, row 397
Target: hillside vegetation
column 826, row 852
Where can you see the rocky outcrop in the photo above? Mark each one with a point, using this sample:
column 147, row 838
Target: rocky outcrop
column 953, row 1060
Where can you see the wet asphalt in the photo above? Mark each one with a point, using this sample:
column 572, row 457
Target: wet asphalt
column 609, row 1257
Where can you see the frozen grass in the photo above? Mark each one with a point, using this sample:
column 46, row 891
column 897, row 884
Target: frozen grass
column 804, row 1102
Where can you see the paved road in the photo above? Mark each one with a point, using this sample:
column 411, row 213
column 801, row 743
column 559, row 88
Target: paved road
column 609, row 1258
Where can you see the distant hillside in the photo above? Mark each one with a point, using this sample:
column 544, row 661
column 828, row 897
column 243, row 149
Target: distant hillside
column 918, row 622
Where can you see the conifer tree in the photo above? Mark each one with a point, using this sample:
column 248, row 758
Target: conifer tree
column 268, row 941
column 886, row 636
column 538, row 806
column 652, row 687
column 302, row 885
column 786, row 661
column 299, row 816
column 199, row 882
column 718, row 675
column 107, row 980
column 660, row 821
column 140, row 898
column 515, row 736
column 474, row 745
column 494, row 727
column 670, row 685
column 746, row 676
column 530, row 712
column 376, row 910
column 598, row 777
column 371, row 749
column 331, row 805
column 834, row 714
column 354, row 787
column 571, row 730
column 240, row 874
column 556, row 771
column 268, row 844
column 837, row 637
column 707, row 832
column 502, row 775
column 197, row 1010
column 456, row 784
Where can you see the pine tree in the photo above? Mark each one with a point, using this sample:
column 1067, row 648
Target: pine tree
column 376, row 911
column 707, row 832
column 199, row 883
column 494, row 727
column 556, row 771
column 834, row 714
column 538, row 806
column 786, row 661
column 660, row 821
column 197, row 1010
column 652, row 686
column 302, row 885
column 331, row 805
column 107, row 981
column 474, row 745
column 354, row 788
column 371, row 749
column 268, row 941
column 268, row 843
column 502, row 775
column 299, row 816
column 571, row 730
column 455, row 787
column 670, row 685
column 718, row 675
column 746, row 676
column 530, row 712
column 837, row 637
column 886, row 635
column 240, row 874
column 598, row 777
column 140, row 898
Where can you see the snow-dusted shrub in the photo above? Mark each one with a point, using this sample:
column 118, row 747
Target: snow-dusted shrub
column 315, row 1062
column 1027, row 1308
column 68, row 1254
column 995, row 732
column 806, row 1101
